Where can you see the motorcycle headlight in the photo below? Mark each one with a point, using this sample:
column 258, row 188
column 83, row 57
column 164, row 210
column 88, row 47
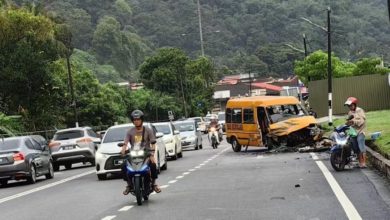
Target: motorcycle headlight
column 137, row 153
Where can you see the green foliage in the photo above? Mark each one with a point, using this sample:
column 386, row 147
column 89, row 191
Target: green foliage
column 172, row 73
column 27, row 49
column 314, row 67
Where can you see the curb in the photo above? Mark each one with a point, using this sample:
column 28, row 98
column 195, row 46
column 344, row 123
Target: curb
column 379, row 162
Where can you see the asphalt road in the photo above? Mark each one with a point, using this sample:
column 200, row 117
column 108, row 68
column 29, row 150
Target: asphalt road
column 210, row 184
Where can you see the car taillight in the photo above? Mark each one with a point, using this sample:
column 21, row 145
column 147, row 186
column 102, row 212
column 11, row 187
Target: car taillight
column 54, row 144
column 84, row 141
column 18, row 156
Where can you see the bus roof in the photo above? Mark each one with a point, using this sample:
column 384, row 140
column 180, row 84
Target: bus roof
column 261, row 101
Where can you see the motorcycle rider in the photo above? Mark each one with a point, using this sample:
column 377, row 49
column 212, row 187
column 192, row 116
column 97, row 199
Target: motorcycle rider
column 214, row 123
column 357, row 120
column 140, row 137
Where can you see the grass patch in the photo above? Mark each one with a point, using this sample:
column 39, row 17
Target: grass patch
column 376, row 121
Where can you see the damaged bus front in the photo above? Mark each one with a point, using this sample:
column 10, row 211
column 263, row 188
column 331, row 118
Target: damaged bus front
column 269, row 121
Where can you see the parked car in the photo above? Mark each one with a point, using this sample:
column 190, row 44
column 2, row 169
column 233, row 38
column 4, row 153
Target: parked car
column 171, row 139
column 200, row 123
column 74, row 145
column 108, row 158
column 26, row 157
column 190, row 134
column 221, row 120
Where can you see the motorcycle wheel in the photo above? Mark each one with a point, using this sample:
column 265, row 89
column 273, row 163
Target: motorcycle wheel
column 337, row 161
column 137, row 189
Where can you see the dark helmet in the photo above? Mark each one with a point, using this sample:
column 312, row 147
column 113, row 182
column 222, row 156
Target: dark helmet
column 137, row 114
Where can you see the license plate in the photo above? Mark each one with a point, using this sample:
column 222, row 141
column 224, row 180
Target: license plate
column 118, row 162
column 68, row 147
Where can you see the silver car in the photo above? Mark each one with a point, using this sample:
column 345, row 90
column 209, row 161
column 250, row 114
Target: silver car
column 191, row 136
column 74, row 145
column 25, row 157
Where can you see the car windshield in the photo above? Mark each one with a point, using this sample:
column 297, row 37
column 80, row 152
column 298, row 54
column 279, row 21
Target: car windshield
column 221, row 117
column 116, row 134
column 66, row 135
column 182, row 127
column 278, row 113
column 163, row 128
column 9, row 144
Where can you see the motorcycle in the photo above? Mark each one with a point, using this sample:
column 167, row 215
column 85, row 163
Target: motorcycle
column 138, row 171
column 341, row 151
column 213, row 138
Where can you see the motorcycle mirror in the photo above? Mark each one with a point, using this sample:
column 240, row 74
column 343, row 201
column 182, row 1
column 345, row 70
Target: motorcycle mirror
column 121, row 144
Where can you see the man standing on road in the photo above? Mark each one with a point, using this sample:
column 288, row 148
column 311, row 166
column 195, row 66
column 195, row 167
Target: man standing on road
column 140, row 137
column 358, row 122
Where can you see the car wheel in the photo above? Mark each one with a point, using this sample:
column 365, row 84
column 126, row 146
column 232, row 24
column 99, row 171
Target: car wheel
column 180, row 155
column 33, row 175
column 68, row 166
column 235, row 145
column 50, row 174
column 201, row 146
column 3, row 182
column 102, row 176
column 56, row 167
column 196, row 146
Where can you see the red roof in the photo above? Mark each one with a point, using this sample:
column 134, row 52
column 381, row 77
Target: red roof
column 267, row 86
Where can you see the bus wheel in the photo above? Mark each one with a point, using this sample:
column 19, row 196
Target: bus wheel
column 235, row 145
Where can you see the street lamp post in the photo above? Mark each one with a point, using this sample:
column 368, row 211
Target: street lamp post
column 328, row 31
column 200, row 29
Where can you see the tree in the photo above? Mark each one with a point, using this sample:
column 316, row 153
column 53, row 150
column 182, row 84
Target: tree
column 27, row 49
column 369, row 66
column 314, row 67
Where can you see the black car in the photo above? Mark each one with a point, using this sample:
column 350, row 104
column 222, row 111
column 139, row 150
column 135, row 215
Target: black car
column 25, row 157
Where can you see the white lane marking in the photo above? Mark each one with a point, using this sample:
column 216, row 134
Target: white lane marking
column 172, row 181
column 347, row 205
column 179, row 177
column 126, row 208
column 110, row 217
column 202, row 164
column 164, row 186
column 45, row 186
column 186, row 173
column 154, row 193
column 191, row 170
column 197, row 167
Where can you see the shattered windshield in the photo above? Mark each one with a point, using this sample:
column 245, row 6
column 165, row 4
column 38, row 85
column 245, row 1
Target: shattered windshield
column 278, row 113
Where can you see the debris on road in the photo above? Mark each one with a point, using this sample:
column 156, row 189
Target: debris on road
column 323, row 145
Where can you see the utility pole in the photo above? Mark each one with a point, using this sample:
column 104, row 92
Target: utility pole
column 200, row 29
column 305, row 45
column 330, row 70
column 250, row 83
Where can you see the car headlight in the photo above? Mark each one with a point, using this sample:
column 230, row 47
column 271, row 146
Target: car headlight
column 137, row 153
column 101, row 155
column 169, row 141
column 191, row 138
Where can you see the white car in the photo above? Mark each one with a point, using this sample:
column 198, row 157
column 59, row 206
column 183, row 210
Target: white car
column 171, row 139
column 201, row 124
column 108, row 158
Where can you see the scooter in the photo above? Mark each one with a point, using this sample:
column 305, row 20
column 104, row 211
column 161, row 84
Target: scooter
column 213, row 138
column 341, row 151
column 138, row 171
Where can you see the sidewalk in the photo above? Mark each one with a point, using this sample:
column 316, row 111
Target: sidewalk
column 325, row 119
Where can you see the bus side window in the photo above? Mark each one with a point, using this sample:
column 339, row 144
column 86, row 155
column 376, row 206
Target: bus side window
column 248, row 116
column 228, row 115
column 237, row 116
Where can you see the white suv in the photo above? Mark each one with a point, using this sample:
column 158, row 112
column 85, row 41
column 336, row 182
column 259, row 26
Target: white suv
column 73, row 145
column 171, row 138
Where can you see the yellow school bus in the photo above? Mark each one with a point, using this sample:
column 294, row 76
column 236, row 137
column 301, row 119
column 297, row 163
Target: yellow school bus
column 269, row 121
